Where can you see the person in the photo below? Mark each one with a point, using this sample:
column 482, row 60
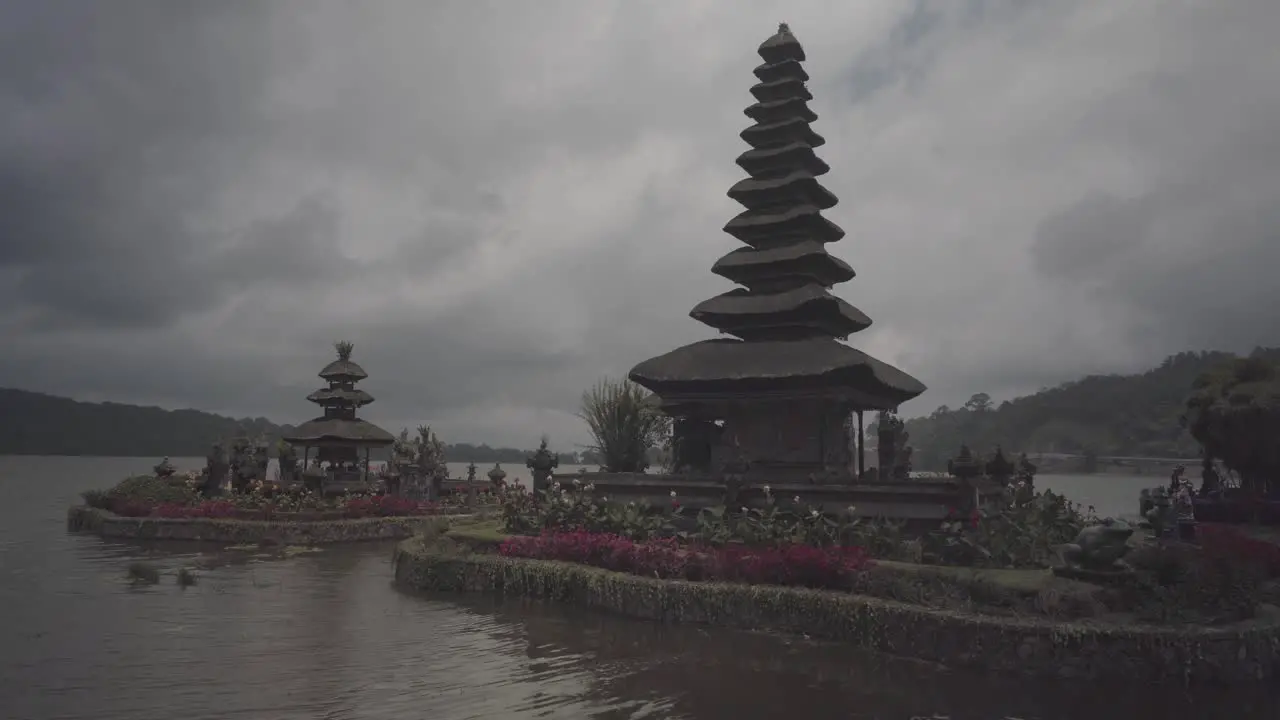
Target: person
column 1210, row 482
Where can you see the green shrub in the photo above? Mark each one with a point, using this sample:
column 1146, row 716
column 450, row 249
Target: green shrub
column 100, row 499
column 622, row 424
column 150, row 489
column 1023, row 532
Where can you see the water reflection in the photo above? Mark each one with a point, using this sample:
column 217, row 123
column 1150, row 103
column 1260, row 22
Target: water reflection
column 698, row 672
column 326, row 636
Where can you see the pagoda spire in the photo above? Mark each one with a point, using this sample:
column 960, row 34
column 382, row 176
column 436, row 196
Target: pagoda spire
column 784, row 268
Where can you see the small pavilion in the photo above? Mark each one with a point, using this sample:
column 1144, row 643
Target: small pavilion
column 338, row 436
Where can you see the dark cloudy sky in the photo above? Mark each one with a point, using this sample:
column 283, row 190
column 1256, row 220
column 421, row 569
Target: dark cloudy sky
column 500, row 202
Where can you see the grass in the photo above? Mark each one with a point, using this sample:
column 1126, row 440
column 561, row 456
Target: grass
column 486, row 535
column 1022, row 581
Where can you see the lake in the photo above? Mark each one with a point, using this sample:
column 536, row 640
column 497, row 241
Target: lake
column 327, row 636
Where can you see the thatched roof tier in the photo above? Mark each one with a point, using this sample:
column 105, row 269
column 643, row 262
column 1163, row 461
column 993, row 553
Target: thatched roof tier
column 340, row 370
column 340, row 396
column 338, row 431
column 806, row 259
column 784, row 89
column 778, row 110
column 781, row 46
column 798, row 187
column 781, row 160
column 786, row 68
column 824, row 367
column 782, row 132
column 787, row 319
column 773, row 227
column 803, row 311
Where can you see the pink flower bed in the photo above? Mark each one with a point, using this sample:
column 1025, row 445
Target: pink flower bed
column 1238, row 546
column 801, row 565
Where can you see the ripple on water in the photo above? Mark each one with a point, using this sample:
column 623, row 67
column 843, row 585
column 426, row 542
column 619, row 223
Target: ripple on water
column 326, row 636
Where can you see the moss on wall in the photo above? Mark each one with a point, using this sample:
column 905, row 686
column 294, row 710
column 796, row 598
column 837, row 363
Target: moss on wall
column 1028, row 646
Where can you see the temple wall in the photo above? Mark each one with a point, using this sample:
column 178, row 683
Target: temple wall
column 782, row 432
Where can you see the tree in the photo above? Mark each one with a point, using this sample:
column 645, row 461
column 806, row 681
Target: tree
column 979, row 402
column 1234, row 413
column 623, row 425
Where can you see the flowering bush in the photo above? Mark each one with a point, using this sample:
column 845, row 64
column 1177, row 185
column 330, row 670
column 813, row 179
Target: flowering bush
column 385, row 506
column 237, row 507
column 792, row 564
column 208, row 508
column 576, row 507
column 1022, row 532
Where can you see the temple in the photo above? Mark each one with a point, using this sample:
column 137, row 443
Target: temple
column 780, row 392
column 338, row 435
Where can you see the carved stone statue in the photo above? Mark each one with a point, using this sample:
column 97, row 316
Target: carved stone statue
column 735, row 470
column 888, row 437
column 430, row 451
column 288, row 459
column 999, row 468
column 497, row 476
column 1210, row 481
column 1026, row 471
column 215, row 471
column 1097, row 550
column 902, row 454
column 164, row 470
column 542, row 464
column 248, row 463
column 963, row 466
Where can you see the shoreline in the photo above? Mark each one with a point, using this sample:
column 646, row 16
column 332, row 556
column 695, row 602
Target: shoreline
column 82, row 518
column 1033, row 647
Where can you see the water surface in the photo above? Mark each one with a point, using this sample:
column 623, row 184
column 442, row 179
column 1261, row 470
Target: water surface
column 326, row 636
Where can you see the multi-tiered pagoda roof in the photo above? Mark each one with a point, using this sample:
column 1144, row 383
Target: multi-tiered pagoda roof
column 785, row 321
column 340, row 401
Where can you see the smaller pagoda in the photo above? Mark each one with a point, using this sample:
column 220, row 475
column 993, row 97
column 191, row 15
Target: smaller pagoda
column 338, row 435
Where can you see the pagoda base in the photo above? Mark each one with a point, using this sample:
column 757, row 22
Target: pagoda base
column 926, row 501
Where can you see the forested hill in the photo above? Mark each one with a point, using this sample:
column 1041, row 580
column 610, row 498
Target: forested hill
column 1104, row 415
column 39, row 424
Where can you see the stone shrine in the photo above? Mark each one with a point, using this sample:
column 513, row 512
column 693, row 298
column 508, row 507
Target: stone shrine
column 782, row 388
column 338, row 435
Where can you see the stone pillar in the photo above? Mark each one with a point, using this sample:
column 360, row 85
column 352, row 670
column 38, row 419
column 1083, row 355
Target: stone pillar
column 862, row 450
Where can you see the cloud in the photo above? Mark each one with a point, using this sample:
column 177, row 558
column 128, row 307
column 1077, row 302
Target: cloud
column 500, row 202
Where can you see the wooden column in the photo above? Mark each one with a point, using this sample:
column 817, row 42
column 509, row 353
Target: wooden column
column 862, row 459
column 365, row 478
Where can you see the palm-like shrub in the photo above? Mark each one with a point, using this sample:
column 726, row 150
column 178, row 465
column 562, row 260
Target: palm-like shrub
column 623, row 426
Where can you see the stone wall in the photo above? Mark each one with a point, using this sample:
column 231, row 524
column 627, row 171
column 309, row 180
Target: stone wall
column 1023, row 646
column 236, row 532
column 920, row 499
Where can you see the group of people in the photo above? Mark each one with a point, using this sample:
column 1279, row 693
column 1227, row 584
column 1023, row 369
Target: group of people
column 1210, row 481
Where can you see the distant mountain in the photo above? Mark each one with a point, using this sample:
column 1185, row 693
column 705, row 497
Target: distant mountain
column 34, row 423
column 1099, row 415
column 39, row 424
